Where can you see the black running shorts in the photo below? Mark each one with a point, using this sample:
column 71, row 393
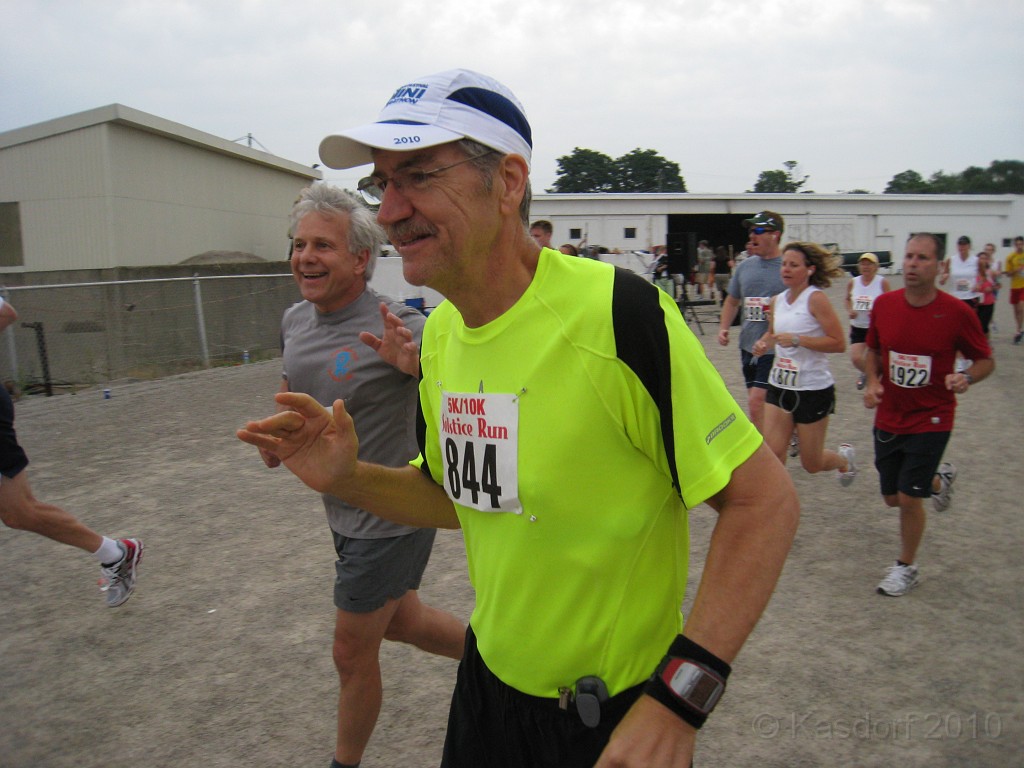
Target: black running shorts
column 12, row 457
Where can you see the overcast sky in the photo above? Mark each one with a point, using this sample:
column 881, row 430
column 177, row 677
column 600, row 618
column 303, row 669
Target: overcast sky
column 856, row 91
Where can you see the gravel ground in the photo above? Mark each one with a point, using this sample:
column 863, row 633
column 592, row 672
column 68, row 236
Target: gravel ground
column 222, row 658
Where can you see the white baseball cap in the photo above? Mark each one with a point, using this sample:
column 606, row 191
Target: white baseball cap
column 437, row 109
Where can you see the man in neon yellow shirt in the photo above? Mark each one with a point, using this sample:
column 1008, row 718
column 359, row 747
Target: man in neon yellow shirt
column 568, row 421
column 1015, row 269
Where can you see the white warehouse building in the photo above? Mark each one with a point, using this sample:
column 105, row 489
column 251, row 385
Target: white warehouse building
column 855, row 223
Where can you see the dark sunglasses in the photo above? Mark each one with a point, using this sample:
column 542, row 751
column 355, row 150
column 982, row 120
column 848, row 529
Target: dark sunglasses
column 760, row 230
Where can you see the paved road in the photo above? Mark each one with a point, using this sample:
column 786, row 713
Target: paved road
column 222, row 657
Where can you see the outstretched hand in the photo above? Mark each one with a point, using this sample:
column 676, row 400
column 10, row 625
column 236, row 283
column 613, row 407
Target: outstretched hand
column 320, row 447
column 397, row 345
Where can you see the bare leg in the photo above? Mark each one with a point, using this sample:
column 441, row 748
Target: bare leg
column 778, row 427
column 357, row 639
column 21, row 510
column 756, row 406
column 912, row 524
column 857, row 352
column 814, row 457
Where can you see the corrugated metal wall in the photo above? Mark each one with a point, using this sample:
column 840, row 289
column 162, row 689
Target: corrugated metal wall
column 172, row 201
column 60, row 183
column 110, row 196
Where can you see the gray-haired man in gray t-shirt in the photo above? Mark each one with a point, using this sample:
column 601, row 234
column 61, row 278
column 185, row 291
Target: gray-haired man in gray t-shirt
column 328, row 348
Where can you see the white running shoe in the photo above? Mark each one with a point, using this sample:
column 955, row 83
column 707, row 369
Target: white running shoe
column 118, row 580
column 847, row 477
column 794, row 445
column 899, row 579
column 942, row 499
column 862, row 381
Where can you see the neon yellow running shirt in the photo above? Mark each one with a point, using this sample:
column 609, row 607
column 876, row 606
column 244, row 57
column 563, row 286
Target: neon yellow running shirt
column 591, row 414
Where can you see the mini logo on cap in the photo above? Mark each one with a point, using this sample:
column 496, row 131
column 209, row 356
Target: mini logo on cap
column 408, row 94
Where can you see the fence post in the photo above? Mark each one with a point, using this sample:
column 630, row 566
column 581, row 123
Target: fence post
column 12, row 348
column 204, row 348
column 44, row 357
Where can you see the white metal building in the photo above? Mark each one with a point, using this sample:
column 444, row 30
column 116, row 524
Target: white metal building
column 630, row 222
column 115, row 187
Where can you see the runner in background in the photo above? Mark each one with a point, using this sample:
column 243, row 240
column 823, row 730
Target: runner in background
column 860, row 297
column 753, row 283
column 19, row 508
column 916, row 333
column 987, row 287
column 803, row 329
column 1014, row 267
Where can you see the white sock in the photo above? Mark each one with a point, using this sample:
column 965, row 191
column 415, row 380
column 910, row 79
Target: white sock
column 109, row 552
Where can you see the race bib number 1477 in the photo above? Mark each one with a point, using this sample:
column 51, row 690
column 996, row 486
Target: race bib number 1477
column 480, row 448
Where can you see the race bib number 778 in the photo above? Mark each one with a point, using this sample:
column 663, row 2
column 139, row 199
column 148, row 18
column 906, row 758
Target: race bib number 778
column 480, row 447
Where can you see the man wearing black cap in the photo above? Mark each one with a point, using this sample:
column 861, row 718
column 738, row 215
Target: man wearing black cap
column 568, row 420
column 753, row 283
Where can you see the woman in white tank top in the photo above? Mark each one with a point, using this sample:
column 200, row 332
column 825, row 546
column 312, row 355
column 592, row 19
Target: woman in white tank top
column 804, row 329
column 860, row 298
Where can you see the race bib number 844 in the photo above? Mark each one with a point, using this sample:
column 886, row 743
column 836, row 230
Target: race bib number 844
column 480, row 447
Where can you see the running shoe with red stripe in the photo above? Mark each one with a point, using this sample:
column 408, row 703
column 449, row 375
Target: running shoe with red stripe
column 118, row 580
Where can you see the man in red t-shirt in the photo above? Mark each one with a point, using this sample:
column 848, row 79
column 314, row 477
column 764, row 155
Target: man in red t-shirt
column 912, row 344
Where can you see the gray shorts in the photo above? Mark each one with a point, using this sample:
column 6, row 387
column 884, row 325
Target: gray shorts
column 369, row 572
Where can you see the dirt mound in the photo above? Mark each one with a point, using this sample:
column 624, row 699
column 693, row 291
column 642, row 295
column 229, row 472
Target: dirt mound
column 223, row 257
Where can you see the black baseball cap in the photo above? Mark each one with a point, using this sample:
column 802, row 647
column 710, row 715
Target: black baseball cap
column 764, row 219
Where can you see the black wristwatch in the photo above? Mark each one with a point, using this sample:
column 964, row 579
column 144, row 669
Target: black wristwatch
column 693, row 684
column 970, row 379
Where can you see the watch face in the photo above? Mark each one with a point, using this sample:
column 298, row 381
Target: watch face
column 698, row 687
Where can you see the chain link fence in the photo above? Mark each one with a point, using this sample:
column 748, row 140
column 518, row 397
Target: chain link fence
column 81, row 335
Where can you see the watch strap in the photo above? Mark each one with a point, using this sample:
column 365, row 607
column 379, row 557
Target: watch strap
column 690, row 680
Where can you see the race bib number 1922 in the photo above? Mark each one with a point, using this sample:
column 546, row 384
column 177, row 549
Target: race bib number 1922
column 910, row 371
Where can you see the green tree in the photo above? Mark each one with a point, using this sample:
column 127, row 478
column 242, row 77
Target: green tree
column 779, row 180
column 942, row 183
column 644, row 170
column 585, row 170
column 1007, row 176
column 1001, row 177
column 907, row 183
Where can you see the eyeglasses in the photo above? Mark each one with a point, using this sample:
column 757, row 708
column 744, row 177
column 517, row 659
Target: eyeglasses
column 372, row 188
column 760, row 230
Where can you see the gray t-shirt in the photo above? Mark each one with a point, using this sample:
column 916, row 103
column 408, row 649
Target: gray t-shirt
column 755, row 278
column 324, row 358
